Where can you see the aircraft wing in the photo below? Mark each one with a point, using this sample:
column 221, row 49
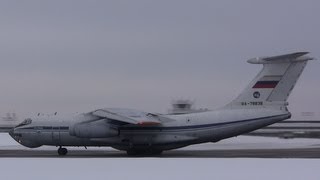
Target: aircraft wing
column 131, row 116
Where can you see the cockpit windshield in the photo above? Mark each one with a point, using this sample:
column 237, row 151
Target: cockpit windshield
column 25, row 122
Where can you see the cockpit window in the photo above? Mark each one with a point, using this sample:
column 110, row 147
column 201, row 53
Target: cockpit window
column 25, row 122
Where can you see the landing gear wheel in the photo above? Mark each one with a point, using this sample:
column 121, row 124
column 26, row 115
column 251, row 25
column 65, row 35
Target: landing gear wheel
column 132, row 153
column 62, row 151
column 156, row 152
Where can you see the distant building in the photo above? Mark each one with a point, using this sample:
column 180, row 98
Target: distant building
column 8, row 122
column 10, row 117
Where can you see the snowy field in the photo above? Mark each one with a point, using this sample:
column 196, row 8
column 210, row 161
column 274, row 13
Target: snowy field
column 157, row 168
column 167, row 168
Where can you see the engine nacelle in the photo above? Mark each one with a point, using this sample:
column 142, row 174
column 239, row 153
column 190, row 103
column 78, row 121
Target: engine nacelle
column 96, row 129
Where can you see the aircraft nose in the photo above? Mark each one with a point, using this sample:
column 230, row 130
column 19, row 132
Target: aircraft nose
column 11, row 133
column 22, row 139
column 14, row 135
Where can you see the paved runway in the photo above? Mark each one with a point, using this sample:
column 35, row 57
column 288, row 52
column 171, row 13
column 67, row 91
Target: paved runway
column 242, row 153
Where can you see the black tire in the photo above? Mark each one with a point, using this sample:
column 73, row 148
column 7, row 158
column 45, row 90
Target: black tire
column 157, row 152
column 62, row 151
column 132, row 152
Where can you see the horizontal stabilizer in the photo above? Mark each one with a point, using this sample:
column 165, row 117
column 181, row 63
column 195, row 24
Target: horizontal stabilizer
column 293, row 57
column 286, row 56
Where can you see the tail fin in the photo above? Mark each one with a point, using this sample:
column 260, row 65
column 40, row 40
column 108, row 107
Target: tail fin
column 274, row 83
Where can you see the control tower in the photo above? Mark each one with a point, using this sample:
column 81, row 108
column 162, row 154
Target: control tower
column 183, row 106
column 8, row 122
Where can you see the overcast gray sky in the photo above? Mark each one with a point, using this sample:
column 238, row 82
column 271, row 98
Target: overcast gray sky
column 70, row 56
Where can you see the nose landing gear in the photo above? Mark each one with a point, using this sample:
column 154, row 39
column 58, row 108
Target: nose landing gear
column 62, row 151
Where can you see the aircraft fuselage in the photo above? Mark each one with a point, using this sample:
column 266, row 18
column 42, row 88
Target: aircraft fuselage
column 188, row 129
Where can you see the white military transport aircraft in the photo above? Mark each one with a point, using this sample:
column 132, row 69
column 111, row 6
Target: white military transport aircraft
column 263, row 102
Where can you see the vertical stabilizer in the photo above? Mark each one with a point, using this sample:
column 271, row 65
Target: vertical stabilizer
column 274, row 83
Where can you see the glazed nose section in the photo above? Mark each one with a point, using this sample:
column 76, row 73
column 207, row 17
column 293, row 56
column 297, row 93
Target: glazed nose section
column 23, row 138
column 11, row 132
column 15, row 136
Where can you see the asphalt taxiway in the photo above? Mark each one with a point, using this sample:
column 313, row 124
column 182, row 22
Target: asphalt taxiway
column 241, row 153
column 238, row 147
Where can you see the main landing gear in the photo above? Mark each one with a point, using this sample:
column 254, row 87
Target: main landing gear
column 62, row 151
column 133, row 152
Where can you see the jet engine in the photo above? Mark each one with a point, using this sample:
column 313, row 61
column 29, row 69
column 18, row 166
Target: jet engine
column 95, row 129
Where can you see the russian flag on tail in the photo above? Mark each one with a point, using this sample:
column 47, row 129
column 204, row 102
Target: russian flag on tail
column 267, row 82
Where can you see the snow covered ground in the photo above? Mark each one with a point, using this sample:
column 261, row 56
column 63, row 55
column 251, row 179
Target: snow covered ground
column 157, row 168
column 168, row 168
